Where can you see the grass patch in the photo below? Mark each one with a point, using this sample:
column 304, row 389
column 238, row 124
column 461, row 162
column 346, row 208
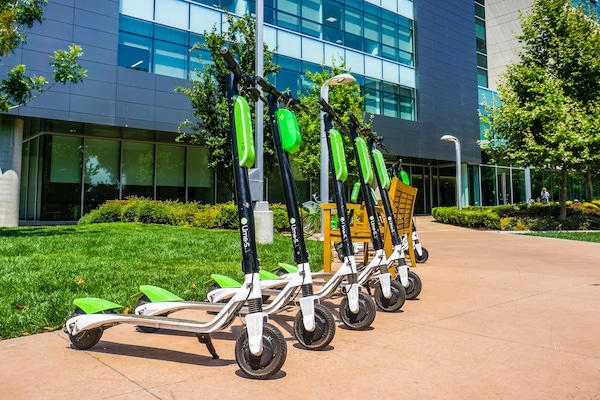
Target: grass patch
column 42, row 269
column 580, row 236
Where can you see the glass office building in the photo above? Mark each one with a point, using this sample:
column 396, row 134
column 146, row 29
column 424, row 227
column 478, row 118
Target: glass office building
column 113, row 136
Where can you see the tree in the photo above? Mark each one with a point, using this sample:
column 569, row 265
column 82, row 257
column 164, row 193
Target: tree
column 549, row 99
column 342, row 99
column 19, row 88
column 208, row 93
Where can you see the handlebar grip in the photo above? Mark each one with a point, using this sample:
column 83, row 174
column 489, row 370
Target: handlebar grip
column 353, row 118
column 230, row 62
column 325, row 105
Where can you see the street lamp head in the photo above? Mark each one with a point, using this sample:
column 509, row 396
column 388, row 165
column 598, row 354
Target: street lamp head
column 449, row 138
column 341, row 79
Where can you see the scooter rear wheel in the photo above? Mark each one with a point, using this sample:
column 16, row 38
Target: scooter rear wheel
column 396, row 300
column 323, row 333
column 86, row 339
column 146, row 329
column 270, row 361
column 365, row 315
column 414, row 286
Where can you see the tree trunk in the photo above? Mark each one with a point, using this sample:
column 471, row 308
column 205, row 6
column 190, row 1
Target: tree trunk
column 563, row 193
column 588, row 184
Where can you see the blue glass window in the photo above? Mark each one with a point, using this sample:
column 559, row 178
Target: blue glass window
column 175, row 13
column 170, row 59
column 134, row 51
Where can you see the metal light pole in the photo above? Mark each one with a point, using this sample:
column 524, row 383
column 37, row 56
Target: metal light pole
column 454, row 139
column 341, row 79
column 259, row 124
column 263, row 217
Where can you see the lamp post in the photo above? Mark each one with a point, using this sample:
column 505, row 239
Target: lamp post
column 341, row 79
column 454, row 139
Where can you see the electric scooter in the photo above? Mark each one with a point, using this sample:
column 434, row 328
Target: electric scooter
column 389, row 294
column 314, row 326
column 357, row 309
column 260, row 350
column 410, row 280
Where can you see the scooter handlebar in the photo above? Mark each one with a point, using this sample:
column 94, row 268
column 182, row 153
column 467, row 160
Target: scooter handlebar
column 246, row 82
column 328, row 110
column 290, row 102
column 366, row 131
column 230, row 62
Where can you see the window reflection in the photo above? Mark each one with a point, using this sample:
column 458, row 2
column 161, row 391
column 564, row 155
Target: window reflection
column 384, row 34
column 138, row 169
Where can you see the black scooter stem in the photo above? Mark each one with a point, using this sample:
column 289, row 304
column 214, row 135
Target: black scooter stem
column 338, row 189
column 289, row 186
column 385, row 200
column 250, row 263
column 366, row 192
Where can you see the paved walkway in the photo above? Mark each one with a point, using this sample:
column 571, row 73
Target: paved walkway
column 500, row 317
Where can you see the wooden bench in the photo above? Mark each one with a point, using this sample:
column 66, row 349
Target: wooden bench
column 359, row 230
column 402, row 197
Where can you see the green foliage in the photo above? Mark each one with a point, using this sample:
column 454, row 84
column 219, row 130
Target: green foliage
column 549, row 114
column 142, row 210
column 342, row 98
column 14, row 17
column 208, row 93
column 470, row 217
column 280, row 217
column 42, row 269
column 18, row 88
column 534, row 217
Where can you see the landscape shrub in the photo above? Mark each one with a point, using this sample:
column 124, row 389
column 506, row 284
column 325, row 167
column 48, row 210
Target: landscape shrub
column 142, row 210
column 523, row 216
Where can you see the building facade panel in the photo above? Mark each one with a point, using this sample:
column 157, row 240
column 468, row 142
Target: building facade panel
column 447, row 86
column 416, row 60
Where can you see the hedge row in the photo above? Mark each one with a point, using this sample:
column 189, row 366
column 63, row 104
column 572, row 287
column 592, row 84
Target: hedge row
column 221, row 216
column 534, row 217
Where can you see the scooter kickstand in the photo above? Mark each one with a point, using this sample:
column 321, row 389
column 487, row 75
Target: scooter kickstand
column 205, row 339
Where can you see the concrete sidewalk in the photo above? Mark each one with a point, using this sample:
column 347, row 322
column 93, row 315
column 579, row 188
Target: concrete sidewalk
column 500, row 316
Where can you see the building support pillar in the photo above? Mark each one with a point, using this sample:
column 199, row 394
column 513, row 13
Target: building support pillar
column 11, row 145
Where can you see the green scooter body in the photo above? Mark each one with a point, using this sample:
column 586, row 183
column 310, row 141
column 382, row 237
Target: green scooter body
column 94, row 305
column 291, row 269
column 381, row 169
column 225, row 281
column 156, row 294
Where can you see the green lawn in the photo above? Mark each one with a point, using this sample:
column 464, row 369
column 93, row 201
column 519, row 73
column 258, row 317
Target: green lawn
column 580, row 236
column 42, row 269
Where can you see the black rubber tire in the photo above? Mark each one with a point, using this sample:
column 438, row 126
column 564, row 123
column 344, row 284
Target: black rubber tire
column 270, row 361
column 414, row 286
column 323, row 333
column 366, row 312
column 395, row 302
column 310, row 224
column 421, row 259
column 86, row 339
column 146, row 329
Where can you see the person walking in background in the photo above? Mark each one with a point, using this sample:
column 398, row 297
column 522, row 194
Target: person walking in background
column 545, row 196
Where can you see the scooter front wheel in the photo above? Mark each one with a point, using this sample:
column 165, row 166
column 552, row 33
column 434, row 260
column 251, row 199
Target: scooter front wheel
column 86, row 339
column 365, row 315
column 270, row 361
column 323, row 333
column 414, row 286
column 396, row 300
column 423, row 257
